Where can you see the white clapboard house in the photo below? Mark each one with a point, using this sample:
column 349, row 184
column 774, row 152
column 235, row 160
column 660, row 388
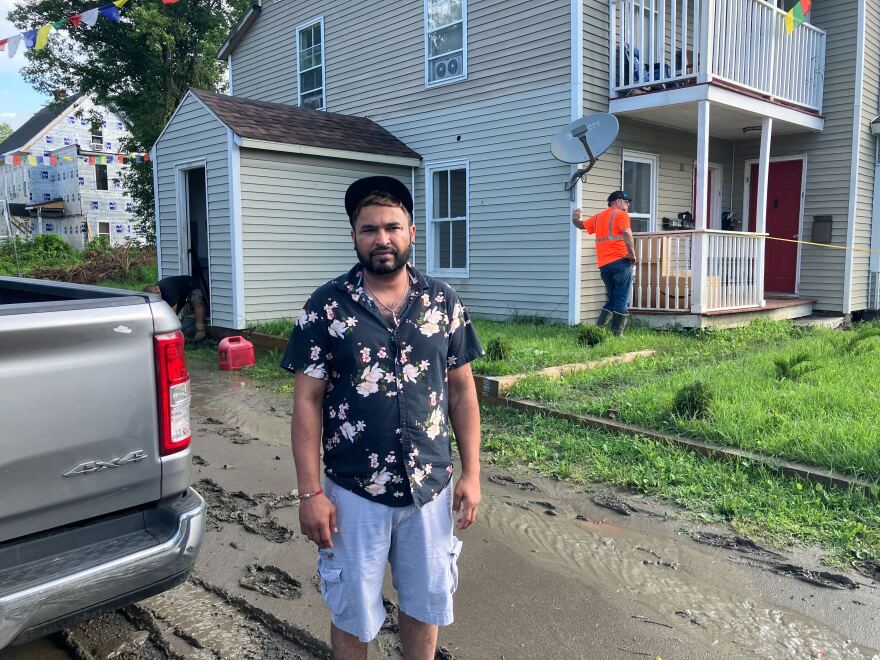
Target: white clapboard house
column 733, row 134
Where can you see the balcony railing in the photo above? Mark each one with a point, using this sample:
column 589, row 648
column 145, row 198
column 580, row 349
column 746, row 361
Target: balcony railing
column 664, row 44
column 698, row 271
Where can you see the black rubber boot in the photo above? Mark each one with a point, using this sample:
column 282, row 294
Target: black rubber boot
column 618, row 323
column 604, row 317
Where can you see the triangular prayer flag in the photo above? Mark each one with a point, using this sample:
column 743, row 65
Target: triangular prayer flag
column 12, row 44
column 111, row 12
column 138, row 158
column 110, row 160
column 7, row 159
column 90, row 17
column 59, row 24
column 16, row 159
column 806, row 6
column 75, row 20
column 53, row 160
column 91, row 160
column 146, row 156
column 798, row 13
column 30, row 38
column 43, row 36
column 39, row 160
column 3, row 44
column 32, row 160
column 102, row 160
column 120, row 159
column 789, row 21
column 170, row 2
column 120, row 3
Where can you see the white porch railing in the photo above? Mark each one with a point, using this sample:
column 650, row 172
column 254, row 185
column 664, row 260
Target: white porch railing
column 662, row 44
column 727, row 272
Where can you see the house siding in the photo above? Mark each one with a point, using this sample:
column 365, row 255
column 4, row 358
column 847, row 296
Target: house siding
column 295, row 233
column 829, row 155
column 192, row 134
column 501, row 119
column 676, row 152
column 861, row 277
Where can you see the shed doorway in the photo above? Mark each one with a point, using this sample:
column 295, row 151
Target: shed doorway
column 193, row 215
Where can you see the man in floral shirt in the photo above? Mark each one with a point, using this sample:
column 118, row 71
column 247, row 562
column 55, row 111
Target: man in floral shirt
column 381, row 356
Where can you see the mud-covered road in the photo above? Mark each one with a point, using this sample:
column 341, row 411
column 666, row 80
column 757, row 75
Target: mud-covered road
column 548, row 571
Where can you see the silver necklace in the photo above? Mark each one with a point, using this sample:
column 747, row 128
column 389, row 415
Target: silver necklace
column 392, row 310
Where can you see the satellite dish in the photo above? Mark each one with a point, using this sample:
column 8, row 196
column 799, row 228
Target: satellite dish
column 585, row 139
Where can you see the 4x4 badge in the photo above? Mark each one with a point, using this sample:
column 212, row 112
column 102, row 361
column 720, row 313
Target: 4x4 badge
column 90, row 467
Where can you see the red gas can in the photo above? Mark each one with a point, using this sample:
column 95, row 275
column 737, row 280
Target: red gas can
column 235, row 353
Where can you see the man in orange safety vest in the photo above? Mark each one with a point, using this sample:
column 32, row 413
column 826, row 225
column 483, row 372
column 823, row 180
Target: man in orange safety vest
column 615, row 255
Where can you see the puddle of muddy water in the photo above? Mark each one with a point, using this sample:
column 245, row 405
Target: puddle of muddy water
column 250, row 413
column 42, row 649
column 711, row 590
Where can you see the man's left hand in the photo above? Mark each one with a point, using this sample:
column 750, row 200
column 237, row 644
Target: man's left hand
column 466, row 500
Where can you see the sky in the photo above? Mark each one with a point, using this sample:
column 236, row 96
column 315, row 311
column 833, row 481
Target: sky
column 18, row 100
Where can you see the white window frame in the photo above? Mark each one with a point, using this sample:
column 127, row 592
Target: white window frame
column 430, row 169
column 464, row 48
column 654, row 161
column 306, row 26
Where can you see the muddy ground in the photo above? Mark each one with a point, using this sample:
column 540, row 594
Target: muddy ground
column 549, row 570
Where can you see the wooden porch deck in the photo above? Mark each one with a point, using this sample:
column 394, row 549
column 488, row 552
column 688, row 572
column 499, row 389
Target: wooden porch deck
column 775, row 307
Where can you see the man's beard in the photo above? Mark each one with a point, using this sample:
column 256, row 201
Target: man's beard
column 384, row 268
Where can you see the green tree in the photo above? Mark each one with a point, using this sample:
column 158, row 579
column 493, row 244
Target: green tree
column 140, row 67
column 5, row 131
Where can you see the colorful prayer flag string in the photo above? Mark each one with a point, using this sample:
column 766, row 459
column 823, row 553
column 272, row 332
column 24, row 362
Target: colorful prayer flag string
column 37, row 38
column 797, row 15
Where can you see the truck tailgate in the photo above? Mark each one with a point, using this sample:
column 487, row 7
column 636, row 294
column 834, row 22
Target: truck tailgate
column 78, row 418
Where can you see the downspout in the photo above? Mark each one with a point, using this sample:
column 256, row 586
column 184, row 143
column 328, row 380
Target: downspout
column 874, row 276
column 576, row 61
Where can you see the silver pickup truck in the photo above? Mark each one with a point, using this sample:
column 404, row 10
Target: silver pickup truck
column 96, row 511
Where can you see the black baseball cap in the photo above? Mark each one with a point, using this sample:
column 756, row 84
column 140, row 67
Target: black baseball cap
column 619, row 194
column 370, row 185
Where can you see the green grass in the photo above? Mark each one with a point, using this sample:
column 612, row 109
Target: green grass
column 265, row 374
column 753, row 500
column 134, row 280
column 824, row 411
column 276, row 328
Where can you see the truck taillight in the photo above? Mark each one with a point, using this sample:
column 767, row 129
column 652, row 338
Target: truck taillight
column 172, row 381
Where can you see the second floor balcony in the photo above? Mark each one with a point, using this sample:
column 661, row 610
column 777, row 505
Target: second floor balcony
column 742, row 44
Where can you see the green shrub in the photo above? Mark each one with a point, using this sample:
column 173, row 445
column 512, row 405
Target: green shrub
column 97, row 246
column 693, row 401
column 498, row 349
column 591, row 335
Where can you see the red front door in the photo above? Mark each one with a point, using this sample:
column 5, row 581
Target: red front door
column 783, row 221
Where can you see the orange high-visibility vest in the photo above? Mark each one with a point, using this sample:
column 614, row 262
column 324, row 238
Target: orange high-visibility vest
column 608, row 226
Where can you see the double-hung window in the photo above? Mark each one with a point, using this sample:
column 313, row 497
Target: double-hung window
column 448, row 219
column 310, row 63
column 445, row 41
column 640, row 182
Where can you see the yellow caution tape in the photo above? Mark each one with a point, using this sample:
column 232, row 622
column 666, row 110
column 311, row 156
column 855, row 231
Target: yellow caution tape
column 828, row 245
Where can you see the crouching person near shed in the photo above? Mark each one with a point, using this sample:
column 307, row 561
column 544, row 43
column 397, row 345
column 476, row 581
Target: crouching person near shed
column 381, row 356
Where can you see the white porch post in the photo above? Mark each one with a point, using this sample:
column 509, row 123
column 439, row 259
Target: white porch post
column 699, row 245
column 706, row 40
column 761, row 202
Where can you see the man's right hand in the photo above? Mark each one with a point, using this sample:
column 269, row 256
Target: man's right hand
column 317, row 519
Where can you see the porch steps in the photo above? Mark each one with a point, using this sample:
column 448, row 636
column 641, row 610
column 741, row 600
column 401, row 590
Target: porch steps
column 775, row 308
column 821, row 321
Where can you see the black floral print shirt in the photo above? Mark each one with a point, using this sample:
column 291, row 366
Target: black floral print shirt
column 386, row 421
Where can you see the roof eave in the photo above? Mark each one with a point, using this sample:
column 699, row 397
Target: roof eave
column 234, row 39
column 345, row 154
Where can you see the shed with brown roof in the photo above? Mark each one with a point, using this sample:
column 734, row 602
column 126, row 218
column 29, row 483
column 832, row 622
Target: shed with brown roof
column 250, row 199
